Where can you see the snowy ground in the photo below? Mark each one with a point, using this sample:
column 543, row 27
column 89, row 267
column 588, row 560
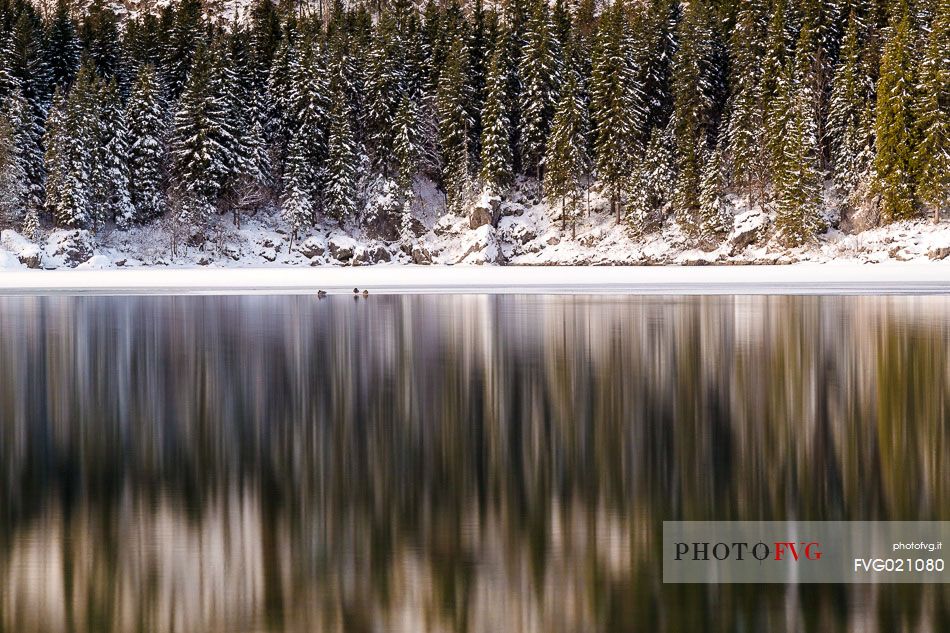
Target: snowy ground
column 514, row 232
column 891, row 278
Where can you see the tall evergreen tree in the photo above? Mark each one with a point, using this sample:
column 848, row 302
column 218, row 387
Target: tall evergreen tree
column 850, row 117
column 612, row 110
column 799, row 180
column 745, row 126
column 540, row 76
column 201, row 147
column 145, row 123
column 341, row 189
column 496, row 155
column 933, row 114
column 894, row 165
column 693, row 88
column 297, row 205
column 566, row 159
column 62, row 47
column 454, row 125
column 111, row 157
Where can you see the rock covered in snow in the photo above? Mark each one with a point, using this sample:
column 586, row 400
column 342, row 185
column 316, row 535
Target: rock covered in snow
column 371, row 255
column 313, row 246
column 68, row 248
column 938, row 253
column 483, row 247
column 486, row 210
column 26, row 252
column 749, row 227
column 341, row 247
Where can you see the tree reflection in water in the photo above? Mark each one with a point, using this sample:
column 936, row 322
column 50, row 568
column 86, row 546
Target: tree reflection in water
column 453, row 463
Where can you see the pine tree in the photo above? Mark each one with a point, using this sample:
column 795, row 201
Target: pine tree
column 496, row 123
column 113, row 199
column 712, row 219
column 799, row 180
column 71, row 140
column 745, row 127
column 540, row 77
column 849, row 126
column 406, row 145
column 612, row 110
column 145, row 123
column 693, row 88
column 933, row 114
column 565, row 160
column 62, row 47
column 894, row 168
column 201, row 145
column 297, row 205
column 774, row 91
column 341, row 162
column 454, row 125
column 13, row 185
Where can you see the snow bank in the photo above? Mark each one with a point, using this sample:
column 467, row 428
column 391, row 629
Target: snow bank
column 922, row 277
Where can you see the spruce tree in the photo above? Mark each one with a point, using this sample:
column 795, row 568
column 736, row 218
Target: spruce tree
column 297, row 205
column 712, row 219
column 407, row 147
column 799, row 181
column 454, row 125
column 13, row 184
column 496, row 155
column 341, row 190
column 894, row 165
column 62, row 47
column 145, row 123
column 612, row 110
column 201, row 147
column 565, row 160
column 849, row 128
column 745, row 126
column 540, row 76
column 113, row 199
column 693, row 101
column 933, row 114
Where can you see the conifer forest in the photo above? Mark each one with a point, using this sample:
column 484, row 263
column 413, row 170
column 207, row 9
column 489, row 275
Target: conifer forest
column 117, row 115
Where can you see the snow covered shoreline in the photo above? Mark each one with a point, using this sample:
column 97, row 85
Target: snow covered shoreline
column 806, row 279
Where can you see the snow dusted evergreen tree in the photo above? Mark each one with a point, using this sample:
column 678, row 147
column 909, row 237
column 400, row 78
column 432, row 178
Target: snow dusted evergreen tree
column 29, row 66
column 933, row 114
column 712, row 220
column 62, row 47
column 342, row 160
column 850, row 117
column 540, row 76
column 454, row 125
column 566, row 159
column 612, row 110
column 407, row 147
column 13, row 184
column 693, row 101
column 70, row 147
column 145, row 124
column 799, row 180
column 202, row 142
column 112, row 196
column 180, row 46
column 496, row 154
column 309, row 115
column 894, row 165
column 745, row 126
column 775, row 90
column 297, row 205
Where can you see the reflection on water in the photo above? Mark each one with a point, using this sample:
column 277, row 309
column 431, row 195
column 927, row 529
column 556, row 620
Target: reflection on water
column 458, row 464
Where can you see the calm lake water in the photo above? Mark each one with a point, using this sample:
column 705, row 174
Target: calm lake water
column 463, row 464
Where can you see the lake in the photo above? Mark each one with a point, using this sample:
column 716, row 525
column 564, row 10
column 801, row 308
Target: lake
column 453, row 463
